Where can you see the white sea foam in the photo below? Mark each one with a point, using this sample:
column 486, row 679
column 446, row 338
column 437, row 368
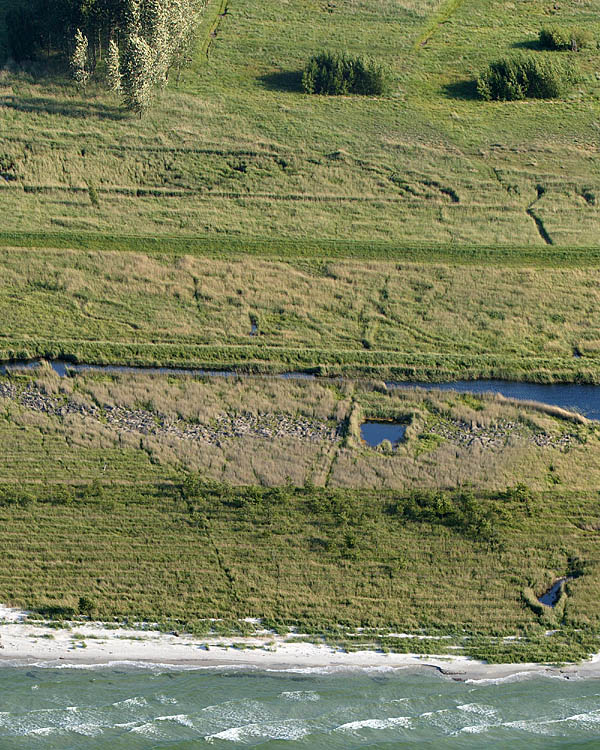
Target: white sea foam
column 592, row 716
column 300, row 695
column 392, row 721
column 147, row 729
column 284, row 730
column 136, row 701
column 476, row 728
column 44, row 731
column 337, row 669
column 548, row 726
column 514, row 677
column 239, row 712
column 489, row 712
column 183, row 719
column 147, row 666
column 165, row 699
column 450, row 721
column 89, row 730
column 50, row 720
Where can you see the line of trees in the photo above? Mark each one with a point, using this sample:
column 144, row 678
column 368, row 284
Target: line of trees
column 137, row 43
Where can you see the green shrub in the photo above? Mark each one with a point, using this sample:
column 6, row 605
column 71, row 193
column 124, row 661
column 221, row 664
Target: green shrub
column 561, row 38
column 93, row 193
column 86, row 606
column 329, row 73
column 525, row 77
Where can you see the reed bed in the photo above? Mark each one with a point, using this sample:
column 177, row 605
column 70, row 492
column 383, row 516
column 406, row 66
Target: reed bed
column 272, row 432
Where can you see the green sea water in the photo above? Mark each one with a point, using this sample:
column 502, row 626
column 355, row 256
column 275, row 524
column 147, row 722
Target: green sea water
column 124, row 706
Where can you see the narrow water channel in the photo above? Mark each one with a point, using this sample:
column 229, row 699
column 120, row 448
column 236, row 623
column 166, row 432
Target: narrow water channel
column 584, row 399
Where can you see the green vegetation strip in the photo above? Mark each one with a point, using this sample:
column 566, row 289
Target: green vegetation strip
column 350, row 363
column 325, row 561
column 282, row 248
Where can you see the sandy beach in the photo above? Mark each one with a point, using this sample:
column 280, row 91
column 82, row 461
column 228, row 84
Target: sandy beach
column 95, row 643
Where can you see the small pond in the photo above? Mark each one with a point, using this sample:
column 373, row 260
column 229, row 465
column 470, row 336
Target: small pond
column 551, row 597
column 374, row 433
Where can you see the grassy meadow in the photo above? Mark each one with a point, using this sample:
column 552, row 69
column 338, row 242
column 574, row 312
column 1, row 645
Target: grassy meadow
column 235, row 148
column 243, row 225
column 403, row 320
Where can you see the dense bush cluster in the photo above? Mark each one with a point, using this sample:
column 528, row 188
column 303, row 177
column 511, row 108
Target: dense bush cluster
column 329, row 73
column 561, row 38
column 526, row 76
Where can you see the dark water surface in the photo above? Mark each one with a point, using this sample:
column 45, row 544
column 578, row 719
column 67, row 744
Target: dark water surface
column 139, row 709
column 374, row 433
column 551, row 597
column 581, row 398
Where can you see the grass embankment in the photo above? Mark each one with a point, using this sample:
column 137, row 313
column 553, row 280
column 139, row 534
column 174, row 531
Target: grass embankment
column 133, row 429
column 388, row 319
column 237, row 149
column 327, row 562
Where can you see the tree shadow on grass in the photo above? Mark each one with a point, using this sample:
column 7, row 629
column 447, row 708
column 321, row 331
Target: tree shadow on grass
column 286, row 80
column 73, row 108
column 55, row 612
column 465, row 90
column 530, row 44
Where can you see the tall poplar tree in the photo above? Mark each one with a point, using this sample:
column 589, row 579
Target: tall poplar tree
column 157, row 35
column 113, row 68
column 79, row 59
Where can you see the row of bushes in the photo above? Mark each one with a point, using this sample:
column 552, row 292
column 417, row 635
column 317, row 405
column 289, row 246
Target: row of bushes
column 526, row 76
column 520, row 77
column 529, row 76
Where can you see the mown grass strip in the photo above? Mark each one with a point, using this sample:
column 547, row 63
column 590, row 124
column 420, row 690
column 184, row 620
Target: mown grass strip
column 445, row 12
column 210, row 23
column 282, row 248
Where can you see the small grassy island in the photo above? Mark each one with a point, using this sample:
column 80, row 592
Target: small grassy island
column 260, row 228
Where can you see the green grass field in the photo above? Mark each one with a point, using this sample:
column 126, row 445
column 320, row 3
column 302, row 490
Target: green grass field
column 385, row 319
column 236, row 149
